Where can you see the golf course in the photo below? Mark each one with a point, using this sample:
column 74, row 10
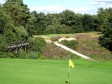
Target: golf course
column 25, row 71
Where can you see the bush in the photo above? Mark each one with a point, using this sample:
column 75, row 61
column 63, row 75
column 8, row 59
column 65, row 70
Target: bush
column 34, row 55
column 106, row 39
column 7, row 55
column 21, row 54
column 3, row 44
column 28, row 55
column 71, row 44
column 50, row 51
column 36, row 44
column 50, row 30
column 56, row 38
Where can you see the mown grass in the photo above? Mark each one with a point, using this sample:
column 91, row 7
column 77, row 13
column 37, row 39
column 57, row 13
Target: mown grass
column 94, row 34
column 16, row 71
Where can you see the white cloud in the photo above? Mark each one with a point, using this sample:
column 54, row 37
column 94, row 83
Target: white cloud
column 94, row 2
column 110, row 5
column 100, row 2
column 59, row 8
column 46, row 9
column 2, row 1
column 84, row 10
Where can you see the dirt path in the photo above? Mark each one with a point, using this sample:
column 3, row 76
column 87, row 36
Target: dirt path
column 72, row 51
column 68, row 49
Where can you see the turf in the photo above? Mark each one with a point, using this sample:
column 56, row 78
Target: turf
column 16, row 71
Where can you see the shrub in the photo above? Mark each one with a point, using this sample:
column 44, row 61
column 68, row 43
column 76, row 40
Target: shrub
column 7, row 55
column 56, row 38
column 106, row 39
column 34, row 55
column 71, row 44
column 50, row 51
column 21, row 54
column 50, row 30
column 36, row 44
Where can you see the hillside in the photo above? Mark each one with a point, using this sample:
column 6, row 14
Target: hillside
column 87, row 45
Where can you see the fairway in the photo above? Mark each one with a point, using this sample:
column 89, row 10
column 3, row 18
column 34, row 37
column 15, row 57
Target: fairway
column 16, row 71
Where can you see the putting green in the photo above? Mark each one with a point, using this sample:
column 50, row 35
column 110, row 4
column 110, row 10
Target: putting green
column 19, row 71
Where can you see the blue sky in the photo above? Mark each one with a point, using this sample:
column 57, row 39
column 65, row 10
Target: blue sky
column 56, row 6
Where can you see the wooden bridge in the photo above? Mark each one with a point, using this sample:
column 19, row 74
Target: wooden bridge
column 17, row 47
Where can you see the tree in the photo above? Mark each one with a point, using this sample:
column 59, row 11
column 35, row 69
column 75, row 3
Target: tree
column 40, row 23
column 7, row 31
column 0, row 5
column 103, row 15
column 88, row 22
column 106, row 39
column 22, row 34
column 5, row 22
column 19, row 13
column 68, row 17
column 72, row 20
column 3, row 44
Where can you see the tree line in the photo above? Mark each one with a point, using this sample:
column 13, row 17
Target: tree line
column 18, row 24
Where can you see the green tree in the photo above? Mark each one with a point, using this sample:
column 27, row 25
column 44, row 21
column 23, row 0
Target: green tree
column 67, row 17
column 103, row 15
column 36, row 44
column 72, row 20
column 22, row 34
column 88, row 22
column 7, row 31
column 40, row 23
column 3, row 44
column 0, row 5
column 106, row 39
column 19, row 13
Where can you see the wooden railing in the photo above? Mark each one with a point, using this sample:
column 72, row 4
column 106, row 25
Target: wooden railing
column 18, row 45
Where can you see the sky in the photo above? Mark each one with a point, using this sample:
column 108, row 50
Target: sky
column 57, row 6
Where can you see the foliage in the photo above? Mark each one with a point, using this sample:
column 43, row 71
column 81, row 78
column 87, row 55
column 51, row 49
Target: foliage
column 3, row 44
column 88, row 44
column 88, row 22
column 50, row 29
column 34, row 55
column 17, row 25
column 22, row 34
column 36, row 44
column 71, row 44
column 10, row 37
column 18, row 11
column 55, row 38
column 50, row 51
column 105, row 16
column 106, row 39
column 7, row 55
column 28, row 55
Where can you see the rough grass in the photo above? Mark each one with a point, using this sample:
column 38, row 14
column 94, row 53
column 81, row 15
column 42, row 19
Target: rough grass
column 50, row 51
column 14, row 71
column 87, row 44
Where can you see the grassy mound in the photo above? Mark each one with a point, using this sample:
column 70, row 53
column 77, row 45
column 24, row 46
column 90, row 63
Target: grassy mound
column 88, row 44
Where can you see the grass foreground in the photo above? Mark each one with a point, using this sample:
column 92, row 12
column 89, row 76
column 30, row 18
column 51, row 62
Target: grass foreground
column 24, row 71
